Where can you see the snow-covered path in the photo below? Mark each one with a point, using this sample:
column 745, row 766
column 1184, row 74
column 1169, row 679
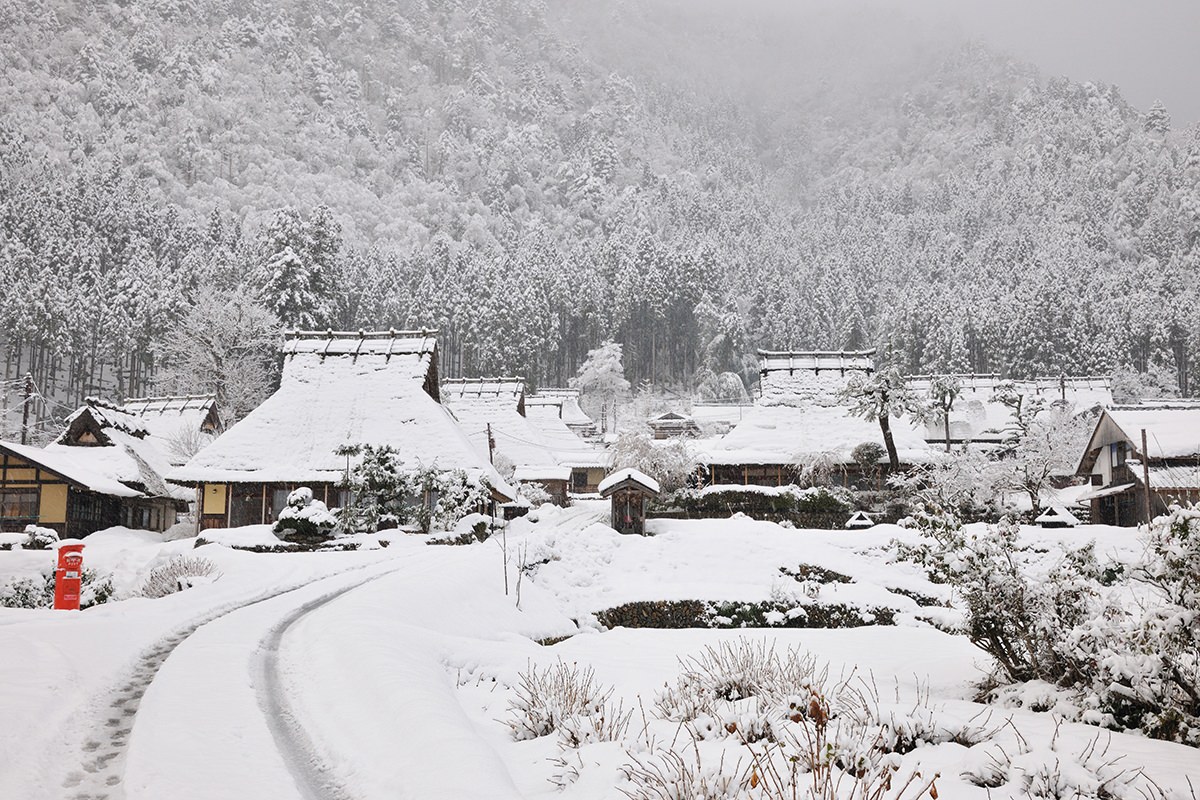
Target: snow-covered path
column 307, row 695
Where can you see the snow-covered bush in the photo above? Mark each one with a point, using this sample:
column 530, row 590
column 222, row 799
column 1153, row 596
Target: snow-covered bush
column 808, row 734
column 386, row 492
column 181, row 572
column 740, row 688
column 37, row 538
column 535, row 494
column 1054, row 773
column 1143, row 666
column 671, row 462
column 1014, row 616
column 1127, row 644
column 39, row 592
column 966, row 482
column 667, row 775
column 565, row 699
column 305, row 517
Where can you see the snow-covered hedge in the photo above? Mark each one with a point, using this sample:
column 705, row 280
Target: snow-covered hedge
column 767, row 502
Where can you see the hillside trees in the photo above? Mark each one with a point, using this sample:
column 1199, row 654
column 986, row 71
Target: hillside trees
column 479, row 168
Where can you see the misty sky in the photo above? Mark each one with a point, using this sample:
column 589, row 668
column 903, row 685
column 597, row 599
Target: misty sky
column 1149, row 48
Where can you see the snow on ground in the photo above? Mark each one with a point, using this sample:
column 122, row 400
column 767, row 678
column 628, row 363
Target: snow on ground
column 389, row 672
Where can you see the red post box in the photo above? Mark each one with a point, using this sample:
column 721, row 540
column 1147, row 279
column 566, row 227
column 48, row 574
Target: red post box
column 68, row 577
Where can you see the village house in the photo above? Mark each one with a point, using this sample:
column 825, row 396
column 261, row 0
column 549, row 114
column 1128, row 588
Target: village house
column 799, row 422
column 1117, row 465
column 564, row 404
column 558, row 418
column 673, row 425
column 336, row 390
column 492, row 412
column 102, row 470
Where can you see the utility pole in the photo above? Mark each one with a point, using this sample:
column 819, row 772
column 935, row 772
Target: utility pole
column 491, row 445
column 1146, row 476
column 26, row 402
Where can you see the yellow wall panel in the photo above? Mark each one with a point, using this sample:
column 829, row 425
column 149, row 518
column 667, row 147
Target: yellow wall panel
column 214, row 498
column 54, row 503
column 20, row 474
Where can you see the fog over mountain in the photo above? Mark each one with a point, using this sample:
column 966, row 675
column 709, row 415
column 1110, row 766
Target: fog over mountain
column 694, row 180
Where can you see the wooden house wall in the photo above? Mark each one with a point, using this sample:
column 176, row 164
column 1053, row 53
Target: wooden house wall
column 232, row 505
column 70, row 510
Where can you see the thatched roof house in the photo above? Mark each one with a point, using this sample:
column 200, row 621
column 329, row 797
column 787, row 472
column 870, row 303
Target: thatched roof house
column 337, row 389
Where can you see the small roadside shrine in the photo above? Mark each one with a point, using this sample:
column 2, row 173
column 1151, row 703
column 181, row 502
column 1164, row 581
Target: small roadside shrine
column 629, row 490
column 1057, row 517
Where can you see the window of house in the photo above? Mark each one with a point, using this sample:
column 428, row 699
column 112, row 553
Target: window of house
column 278, row 501
column 18, row 504
column 1116, row 453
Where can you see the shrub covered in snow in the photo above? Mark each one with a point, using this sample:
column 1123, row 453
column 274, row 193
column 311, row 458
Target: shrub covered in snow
column 808, row 734
column 386, row 493
column 37, row 538
column 671, row 462
column 760, row 501
column 181, row 572
column 1142, row 663
column 566, row 699
column 535, row 494
column 1127, row 644
column 304, row 517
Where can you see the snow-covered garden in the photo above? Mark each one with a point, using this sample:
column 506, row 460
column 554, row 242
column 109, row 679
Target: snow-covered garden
column 405, row 668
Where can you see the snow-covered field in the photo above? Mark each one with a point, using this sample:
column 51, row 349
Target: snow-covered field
column 389, row 673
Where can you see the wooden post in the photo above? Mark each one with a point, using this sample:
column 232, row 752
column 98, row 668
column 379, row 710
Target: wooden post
column 1146, row 476
column 491, row 445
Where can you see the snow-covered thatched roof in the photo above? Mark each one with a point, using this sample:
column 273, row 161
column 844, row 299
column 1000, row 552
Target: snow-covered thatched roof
column 508, row 389
column 815, row 360
column 977, row 415
column 1172, row 427
column 339, row 389
column 784, row 434
column 478, row 404
column 102, row 446
column 176, row 423
column 100, row 417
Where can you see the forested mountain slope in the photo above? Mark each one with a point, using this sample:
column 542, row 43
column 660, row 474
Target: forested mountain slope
column 535, row 178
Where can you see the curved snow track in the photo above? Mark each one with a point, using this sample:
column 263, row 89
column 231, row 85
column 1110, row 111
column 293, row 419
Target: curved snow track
column 101, row 773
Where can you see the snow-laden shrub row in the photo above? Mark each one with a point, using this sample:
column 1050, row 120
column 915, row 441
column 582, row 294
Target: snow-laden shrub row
column 39, row 592
column 775, row 613
column 742, row 719
column 818, row 506
column 32, row 538
column 1126, row 641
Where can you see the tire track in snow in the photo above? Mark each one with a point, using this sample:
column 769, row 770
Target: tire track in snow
column 102, row 757
column 299, row 752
